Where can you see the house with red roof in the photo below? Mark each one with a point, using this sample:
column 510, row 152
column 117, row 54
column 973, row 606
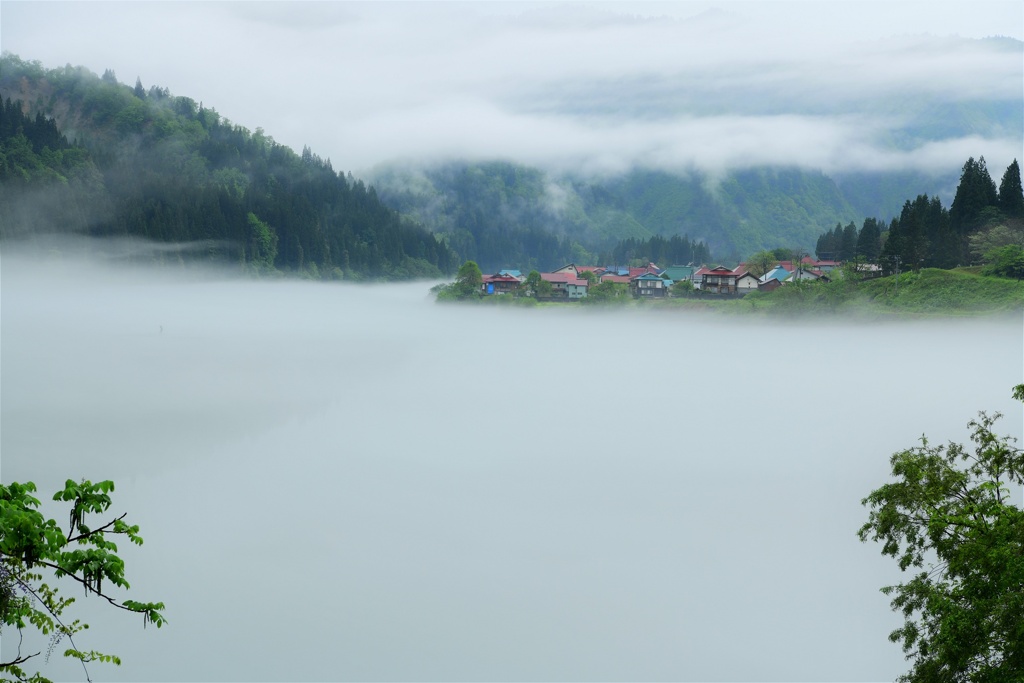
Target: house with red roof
column 718, row 280
column 566, row 285
column 823, row 265
column 499, row 284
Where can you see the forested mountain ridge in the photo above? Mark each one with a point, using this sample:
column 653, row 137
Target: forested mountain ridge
column 86, row 154
column 498, row 210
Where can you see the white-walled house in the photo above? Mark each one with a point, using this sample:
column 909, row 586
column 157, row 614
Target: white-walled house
column 746, row 282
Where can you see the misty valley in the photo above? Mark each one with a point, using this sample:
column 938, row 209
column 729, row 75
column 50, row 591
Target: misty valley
column 418, row 491
column 576, row 342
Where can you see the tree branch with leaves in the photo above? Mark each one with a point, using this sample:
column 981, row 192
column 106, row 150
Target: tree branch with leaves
column 35, row 550
column 949, row 515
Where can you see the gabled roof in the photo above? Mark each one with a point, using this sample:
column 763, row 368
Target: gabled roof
column 649, row 268
column 805, row 274
column 646, row 277
column 777, row 273
column 717, row 270
column 609, row 277
column 563, row 278
column 512, row 273
column 500, row 278
column 679, row 272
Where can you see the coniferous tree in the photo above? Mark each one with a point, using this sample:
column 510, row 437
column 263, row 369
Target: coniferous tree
column 891, row 257
column 848, row 243
column 944, row 249
column 974, row 194
column 830, row 243
column 869, row 240
column 1011, row 195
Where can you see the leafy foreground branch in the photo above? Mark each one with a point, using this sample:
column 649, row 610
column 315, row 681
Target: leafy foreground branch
column 949, row 514
column 34, row 549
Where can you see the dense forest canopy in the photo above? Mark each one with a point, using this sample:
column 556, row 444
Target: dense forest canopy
column 982, row 221
column 147, row 164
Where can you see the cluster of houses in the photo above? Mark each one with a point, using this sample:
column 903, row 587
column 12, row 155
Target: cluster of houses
column 651, row 282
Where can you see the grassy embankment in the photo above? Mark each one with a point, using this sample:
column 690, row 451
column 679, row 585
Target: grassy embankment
column 931, row 292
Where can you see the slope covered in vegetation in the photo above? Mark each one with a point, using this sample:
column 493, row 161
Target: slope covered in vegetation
column 86, row 154
column 500, row 213
column 928, row 292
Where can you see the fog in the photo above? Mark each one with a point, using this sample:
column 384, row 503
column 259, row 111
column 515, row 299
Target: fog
column 593, row 87
column 342, row 482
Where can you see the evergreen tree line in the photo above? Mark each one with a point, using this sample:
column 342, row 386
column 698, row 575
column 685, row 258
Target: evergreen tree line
column 846, row 244
column 675, row 250
column 926, row 234
column 149, row 164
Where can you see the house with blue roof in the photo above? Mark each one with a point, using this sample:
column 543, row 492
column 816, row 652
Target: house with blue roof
column 777, row 273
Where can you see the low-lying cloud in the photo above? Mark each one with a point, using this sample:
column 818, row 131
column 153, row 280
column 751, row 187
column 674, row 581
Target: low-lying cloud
column 412, row 491
column 574, row 86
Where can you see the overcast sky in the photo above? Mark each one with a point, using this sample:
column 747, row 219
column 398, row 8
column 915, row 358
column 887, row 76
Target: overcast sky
column 599, row 86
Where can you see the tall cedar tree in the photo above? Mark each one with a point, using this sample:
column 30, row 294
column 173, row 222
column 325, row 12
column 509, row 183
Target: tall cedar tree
column 869, row 240
column 974, row 194
column 829, row 243
column 848, row 243
column 1011, row 195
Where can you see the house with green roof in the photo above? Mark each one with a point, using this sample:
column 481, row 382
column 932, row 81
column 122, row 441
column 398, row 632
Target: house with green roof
column 677, row 273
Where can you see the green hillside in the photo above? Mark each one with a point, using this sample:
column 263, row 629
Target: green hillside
column 478, row 207
column 85, row 154
column 928, row 292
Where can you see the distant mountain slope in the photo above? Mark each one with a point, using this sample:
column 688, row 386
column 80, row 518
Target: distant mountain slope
column 149, row 164
column 738, row 212
column 497, row 214
column 487, row 211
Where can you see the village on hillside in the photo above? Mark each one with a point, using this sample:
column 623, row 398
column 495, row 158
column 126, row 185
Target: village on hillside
column 572, row 282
